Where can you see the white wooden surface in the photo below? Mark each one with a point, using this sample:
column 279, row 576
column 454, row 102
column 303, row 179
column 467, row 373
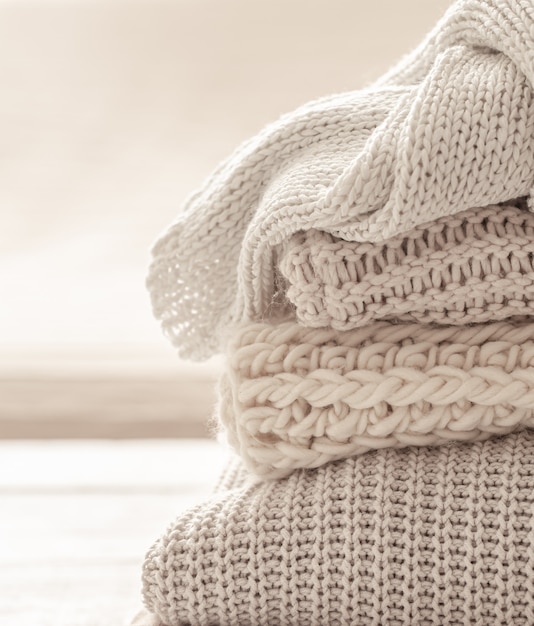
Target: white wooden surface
column 77, row 517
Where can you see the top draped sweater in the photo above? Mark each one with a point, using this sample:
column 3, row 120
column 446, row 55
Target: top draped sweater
column 449, row 128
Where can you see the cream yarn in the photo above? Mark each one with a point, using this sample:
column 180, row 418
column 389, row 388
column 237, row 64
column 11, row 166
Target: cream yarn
column 403, row 537
column 293, row 397
column 451, row 127
column 475, row 266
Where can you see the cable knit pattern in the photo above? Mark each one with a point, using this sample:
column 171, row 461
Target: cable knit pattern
column 415, row 536
column 476, row 266
column 451, row 127
column 293, row 397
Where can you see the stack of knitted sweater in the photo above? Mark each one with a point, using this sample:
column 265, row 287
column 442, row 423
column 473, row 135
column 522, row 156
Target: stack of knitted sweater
column 367, row 266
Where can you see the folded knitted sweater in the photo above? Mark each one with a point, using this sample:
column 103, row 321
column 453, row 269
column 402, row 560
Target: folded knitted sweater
column 294, row 397
column 451, row 127
column 425, row 535
column 475, row 266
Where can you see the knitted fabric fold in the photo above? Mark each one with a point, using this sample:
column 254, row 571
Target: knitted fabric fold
column 393, row 538
column 476, row 266
column 451, row 127
column 293, row 397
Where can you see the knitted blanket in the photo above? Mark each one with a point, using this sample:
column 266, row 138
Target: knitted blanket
column 424, row 535
column 476, row 266
column 293, row 397
column 451, row 127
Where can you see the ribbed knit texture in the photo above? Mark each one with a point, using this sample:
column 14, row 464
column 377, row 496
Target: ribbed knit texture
column 411, row 537
column 295, row 397
column 476, row 266
column 452, row 127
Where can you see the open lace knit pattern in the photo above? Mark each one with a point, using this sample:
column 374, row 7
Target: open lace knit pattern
column 476, row 266
column 451, row 127
column 393, row 538
column 294, row 397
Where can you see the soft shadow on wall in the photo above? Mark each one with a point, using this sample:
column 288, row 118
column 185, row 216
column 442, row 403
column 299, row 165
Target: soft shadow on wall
column 111, row 114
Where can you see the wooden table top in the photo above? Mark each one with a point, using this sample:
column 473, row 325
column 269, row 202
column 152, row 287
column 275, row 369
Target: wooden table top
column 78, row 516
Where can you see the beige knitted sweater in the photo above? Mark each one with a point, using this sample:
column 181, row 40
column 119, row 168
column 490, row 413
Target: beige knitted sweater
column 472, row 267
column 412, row 537
column 451, row 127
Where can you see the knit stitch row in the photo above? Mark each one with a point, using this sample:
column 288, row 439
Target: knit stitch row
column 293, row 397
column 476, row 266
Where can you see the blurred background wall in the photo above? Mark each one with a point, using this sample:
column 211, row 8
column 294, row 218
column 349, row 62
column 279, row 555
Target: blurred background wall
column 111, row 113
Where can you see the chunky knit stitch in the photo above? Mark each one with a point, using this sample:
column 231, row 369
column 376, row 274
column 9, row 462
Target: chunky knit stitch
column 293, row 397
column 416, row 536
column 475, row 266
column 452, row 127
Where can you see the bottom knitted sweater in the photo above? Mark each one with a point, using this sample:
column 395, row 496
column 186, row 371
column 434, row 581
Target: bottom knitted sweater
column 411, row 536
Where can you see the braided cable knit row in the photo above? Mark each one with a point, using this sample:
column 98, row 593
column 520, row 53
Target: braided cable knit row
column 476, row 266
column 293, row 397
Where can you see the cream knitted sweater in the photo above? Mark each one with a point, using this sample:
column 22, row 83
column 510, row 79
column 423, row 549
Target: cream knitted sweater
column 294, row 397
column 451, row 127
column 472, row 267
column 411, row 537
